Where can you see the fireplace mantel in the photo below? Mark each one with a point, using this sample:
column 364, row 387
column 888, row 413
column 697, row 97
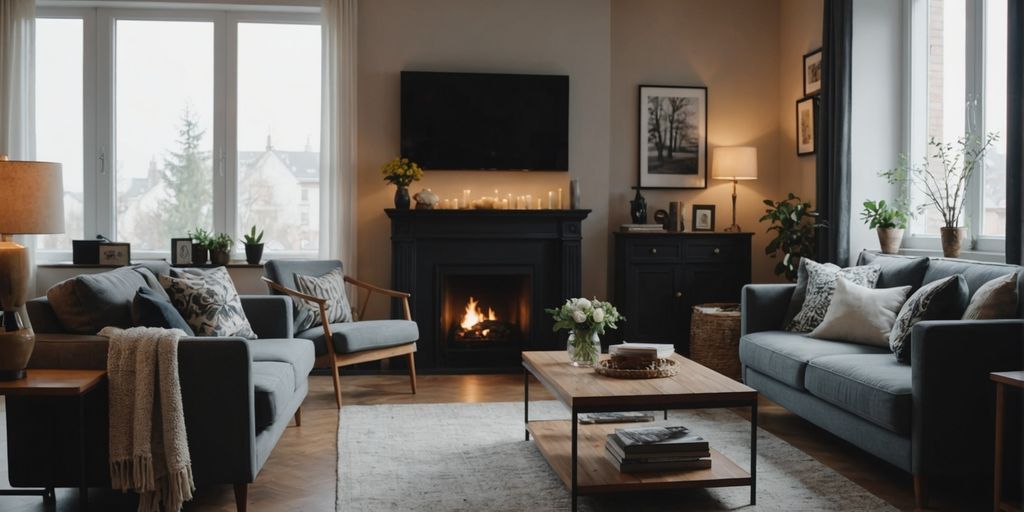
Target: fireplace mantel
column 427, row 245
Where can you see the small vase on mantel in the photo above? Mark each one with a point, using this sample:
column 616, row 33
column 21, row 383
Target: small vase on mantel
column 952, row 238
column 402, row 198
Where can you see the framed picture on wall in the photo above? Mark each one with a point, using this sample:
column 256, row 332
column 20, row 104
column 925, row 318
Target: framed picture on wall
column 806, row 120
column 812, row 72
column 673, row 136
column 703, row 218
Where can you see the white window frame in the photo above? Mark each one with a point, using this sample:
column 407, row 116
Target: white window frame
column 916, row 91
column 99, row 115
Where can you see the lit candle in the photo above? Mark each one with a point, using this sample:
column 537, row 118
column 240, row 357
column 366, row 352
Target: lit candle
column 510, row 200
column 446, row 204
column 504, row 204
column 455, row 203
column 559, row 199
column 465, row 197
column 538, row 204
column 529, row 201
column 551, row 200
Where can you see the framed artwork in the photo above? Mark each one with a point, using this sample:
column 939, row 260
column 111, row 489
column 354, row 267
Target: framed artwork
column 703, row 218
column 806, row 119
column 181, row 251
column 812, row 72
column 673, row 137
column 115, row 254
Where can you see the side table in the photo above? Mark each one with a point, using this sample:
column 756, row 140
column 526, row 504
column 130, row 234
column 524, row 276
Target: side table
column 1002, row 379
column 57, row 383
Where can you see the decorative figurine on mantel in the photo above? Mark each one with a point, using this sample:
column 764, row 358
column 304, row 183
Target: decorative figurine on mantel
column 425, row 199
column 638, row 208
column 401, row 173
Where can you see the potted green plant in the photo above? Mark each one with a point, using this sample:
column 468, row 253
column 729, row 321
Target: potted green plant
column 220, row 249
column 942, row 179
column 888, row 221
column 401, row 173
column 200, row 243
column 253, row 246
column 794, row 225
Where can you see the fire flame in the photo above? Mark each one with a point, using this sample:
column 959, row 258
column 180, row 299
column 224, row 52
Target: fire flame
column 474, row 315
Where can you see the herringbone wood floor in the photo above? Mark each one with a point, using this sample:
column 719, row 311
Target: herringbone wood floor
column 300, row 474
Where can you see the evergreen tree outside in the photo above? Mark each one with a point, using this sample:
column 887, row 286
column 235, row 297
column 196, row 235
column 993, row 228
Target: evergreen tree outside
column 188, row 177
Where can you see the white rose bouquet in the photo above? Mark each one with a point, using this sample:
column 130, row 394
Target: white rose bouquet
column 586, row 319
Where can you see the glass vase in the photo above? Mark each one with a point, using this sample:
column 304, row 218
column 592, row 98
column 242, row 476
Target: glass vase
column 584, row 348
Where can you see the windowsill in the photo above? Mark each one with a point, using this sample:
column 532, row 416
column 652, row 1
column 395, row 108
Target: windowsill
column 68, row 264
column 986, row 256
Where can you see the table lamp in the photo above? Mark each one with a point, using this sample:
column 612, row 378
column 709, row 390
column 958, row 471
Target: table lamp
column 734, row 163
column 31, row 202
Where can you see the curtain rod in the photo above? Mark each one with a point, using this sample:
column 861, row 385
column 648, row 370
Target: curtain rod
column 303, row 6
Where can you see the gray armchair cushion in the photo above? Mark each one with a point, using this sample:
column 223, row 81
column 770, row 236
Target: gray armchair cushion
column 283, row 272
column 784, row 355
column 872, row 386
column 359, row 336
column 90, row 302
column 896, row 270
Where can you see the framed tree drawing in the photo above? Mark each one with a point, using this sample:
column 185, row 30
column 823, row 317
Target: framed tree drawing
column 673, row 137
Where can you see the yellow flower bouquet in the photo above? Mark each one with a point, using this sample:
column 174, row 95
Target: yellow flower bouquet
column 401, row 172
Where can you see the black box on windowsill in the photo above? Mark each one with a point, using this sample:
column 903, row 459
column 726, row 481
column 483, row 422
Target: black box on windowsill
column 85, row 252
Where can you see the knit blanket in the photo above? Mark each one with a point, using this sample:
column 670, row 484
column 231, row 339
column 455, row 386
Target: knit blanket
column 148, row 444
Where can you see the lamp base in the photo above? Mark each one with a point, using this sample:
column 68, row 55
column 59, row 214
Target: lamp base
column 12, row 374
column 15, row 351
column 733, row 229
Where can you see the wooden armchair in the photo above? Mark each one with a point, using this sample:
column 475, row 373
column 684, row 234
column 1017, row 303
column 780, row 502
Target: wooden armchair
column 349, row 343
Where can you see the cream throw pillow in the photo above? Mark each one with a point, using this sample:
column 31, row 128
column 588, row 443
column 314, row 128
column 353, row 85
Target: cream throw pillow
column 996, row 299
column 859, row 314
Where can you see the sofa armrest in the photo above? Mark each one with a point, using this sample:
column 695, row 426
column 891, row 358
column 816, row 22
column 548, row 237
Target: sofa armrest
column 269, row 315
column 217, row 396
column 763, row 306
column 41, row 316
column 953, row 398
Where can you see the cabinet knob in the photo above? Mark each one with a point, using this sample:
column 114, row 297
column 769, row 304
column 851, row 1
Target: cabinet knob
column 679, row 295
column 717, row 250
column 654, row 250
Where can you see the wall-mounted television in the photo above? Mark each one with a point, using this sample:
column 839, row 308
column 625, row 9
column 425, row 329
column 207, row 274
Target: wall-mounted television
column 485, row 121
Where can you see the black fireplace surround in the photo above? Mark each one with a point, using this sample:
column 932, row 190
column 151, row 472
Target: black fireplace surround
column 517, row 262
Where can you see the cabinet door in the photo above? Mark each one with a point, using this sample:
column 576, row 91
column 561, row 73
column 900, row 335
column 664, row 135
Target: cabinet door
column 654, row 306
column 711, row 282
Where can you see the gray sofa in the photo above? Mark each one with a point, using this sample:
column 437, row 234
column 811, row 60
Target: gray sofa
column 931, row 417
column 238, row 397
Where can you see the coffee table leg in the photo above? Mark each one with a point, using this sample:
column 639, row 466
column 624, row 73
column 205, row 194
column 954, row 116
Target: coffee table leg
column 575, row 461
column 753, row 453
column 526, row 402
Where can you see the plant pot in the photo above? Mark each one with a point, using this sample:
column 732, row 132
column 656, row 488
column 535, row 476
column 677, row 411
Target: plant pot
column 199, row 254
column 952, row 238
column 220, row 257
column 890, row 239
column 584, row 348
column 253, row 253
column 402, row 198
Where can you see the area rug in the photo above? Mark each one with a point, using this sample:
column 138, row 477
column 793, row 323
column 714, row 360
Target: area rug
column 472, row 457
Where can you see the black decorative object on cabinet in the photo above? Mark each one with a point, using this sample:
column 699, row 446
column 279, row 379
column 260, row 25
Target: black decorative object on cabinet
column 659, row 277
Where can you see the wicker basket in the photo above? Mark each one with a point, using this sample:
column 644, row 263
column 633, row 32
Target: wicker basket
column 715, row 337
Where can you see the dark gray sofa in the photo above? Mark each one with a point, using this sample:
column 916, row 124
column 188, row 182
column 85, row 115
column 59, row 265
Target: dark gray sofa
column 931, row 417
column 238, row 397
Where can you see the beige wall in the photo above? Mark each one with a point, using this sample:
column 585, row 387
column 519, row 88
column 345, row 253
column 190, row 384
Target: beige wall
column 799, row 33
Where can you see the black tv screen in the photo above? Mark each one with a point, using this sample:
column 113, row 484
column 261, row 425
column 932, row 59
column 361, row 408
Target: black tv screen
column 459, row 121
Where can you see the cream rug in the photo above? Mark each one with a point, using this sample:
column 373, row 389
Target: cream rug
column 472, row 457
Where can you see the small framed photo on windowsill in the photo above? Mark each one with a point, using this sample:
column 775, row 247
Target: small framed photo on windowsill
column 115, row 254
column 703, row 218
column 181, row 251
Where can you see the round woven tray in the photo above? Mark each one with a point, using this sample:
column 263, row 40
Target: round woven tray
column 663, row 368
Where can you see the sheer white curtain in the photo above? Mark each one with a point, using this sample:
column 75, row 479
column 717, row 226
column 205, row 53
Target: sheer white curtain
column 338, row 133
column 17, row 79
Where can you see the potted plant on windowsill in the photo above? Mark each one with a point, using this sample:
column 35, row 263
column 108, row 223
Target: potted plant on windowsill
column 888, row 221
column 220, row 249
column 200, row 243
column 253, row 246
column 942, row 179
column 794, row 226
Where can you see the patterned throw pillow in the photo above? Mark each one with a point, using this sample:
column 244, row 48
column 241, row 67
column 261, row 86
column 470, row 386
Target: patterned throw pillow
column 821, row 284
column 209, row 302
column 943, row 299
column 330, row 286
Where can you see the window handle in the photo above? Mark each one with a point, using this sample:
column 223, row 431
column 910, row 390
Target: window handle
column 103, row 161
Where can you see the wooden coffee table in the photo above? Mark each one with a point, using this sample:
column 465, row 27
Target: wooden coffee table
column 576, row 452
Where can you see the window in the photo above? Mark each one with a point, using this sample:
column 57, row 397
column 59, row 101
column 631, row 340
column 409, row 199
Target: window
column 198, row 118
column 958, row 87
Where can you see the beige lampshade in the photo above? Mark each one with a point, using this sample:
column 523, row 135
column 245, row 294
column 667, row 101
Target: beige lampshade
column 734, row 163
column 31, row 197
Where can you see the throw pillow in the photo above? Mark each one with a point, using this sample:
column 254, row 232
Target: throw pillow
column 943, row 299
column 330, row 286
column 209, row 303
column 821, row 284
column 996, row 299
column 151, row 309
column 859, row 314
column 90, row 302
column 799, row 293
column 896, row 270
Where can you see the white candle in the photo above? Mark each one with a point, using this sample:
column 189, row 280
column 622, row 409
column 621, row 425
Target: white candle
column 538, row 204
column 455, row 203
column 559, row 199
column 504, row 204
column 465, row 197
column 551, row 200
column 511, row 201
column 446, row 204
column 529, row 201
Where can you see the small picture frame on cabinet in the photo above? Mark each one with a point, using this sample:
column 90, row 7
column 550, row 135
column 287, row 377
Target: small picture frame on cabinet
column 703, row 217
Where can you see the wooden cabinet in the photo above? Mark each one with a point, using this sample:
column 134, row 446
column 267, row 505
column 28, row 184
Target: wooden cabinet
column 659, row 277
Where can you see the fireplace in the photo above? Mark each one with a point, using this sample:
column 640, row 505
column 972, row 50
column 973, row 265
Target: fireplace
column 480, row 280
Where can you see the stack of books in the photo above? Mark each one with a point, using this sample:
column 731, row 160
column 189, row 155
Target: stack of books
column 634, row 450
column 642, row 350
column 642, row 228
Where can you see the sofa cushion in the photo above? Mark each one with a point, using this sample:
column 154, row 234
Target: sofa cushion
column 975, row 273
column 283, row 273
column 784, row 355
column 209, row 302
column 153, row 309
column 872, row 386
column 89, row 302
column 273, row 385
column 859, row 314
column 821, row 284
column 896, row 270
column 944, row 299
column 994, row 300
column 296, row 352
column 330, row 287
column 358, row 336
